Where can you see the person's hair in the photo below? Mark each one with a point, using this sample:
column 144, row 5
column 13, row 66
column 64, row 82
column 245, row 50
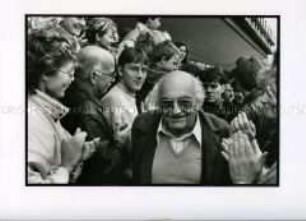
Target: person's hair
column 98, row 27
column 47, row 50
column 163, row 51
column 132, row 55
column 214, row 74
column 146, row 43
column 246, row 72
column 180, row 44
column 144, row 19
column 64, row 22
column 197, row 85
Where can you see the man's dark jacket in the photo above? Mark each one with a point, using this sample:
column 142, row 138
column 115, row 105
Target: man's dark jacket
column 86, row 112
column 214, row 167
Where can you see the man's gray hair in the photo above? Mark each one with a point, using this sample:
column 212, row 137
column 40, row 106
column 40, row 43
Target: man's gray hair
column 152, row 102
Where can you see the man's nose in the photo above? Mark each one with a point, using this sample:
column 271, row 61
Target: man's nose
column 208, row 89
column 176, row 108
column 72, row 79
column 140, row 73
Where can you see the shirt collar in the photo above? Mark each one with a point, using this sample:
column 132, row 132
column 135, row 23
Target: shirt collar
column 51, row 106
column 197, row 132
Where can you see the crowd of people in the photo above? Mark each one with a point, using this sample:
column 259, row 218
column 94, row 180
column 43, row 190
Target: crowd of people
column 134, row 109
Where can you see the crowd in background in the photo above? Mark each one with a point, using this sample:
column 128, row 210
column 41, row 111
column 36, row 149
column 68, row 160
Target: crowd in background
column 87, row 84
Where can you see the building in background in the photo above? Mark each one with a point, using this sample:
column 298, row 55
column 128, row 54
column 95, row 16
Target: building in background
column 219, row 40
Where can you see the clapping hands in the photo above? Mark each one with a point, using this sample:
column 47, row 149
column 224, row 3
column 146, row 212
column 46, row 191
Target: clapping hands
column 245, row 159
column 243, row 124
column 241, row 150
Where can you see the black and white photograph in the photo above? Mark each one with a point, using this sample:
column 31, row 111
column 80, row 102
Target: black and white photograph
column 152, row 110
column 123, row 100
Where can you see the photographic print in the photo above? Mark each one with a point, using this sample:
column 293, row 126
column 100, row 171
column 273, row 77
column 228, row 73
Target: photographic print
column 152, row 100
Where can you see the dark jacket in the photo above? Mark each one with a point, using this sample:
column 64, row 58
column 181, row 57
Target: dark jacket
column 87, row 113
column 153, row 76
column 224, row 110
column 214, row 167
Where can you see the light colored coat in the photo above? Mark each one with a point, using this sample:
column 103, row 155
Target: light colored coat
column 45, row 135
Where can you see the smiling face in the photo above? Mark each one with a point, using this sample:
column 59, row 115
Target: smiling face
column 183, row 51
column 134, row 75
column 177, row 101
column 108, row 38
column 56, row 85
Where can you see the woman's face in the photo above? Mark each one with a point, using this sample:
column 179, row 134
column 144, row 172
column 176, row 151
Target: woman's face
column 109, row 38
column 56, row 85
column 172, row 64
column 183, row 51
column 74, row 25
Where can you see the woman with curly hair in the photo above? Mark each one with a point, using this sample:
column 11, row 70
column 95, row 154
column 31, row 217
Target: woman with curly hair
column 102, row 32
column 54, row 156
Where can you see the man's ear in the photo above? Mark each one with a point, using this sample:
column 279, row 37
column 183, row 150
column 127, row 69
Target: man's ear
column 222, row 88
column 97, row 38
column 44, row 78
column 120, row 70
column 92, row 77
column 163, row 60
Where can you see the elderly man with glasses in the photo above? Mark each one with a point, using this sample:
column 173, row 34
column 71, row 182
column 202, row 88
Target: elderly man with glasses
column 93, row 77
column 178, row 143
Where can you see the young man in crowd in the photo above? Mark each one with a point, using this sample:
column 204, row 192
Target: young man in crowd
column 119, row 103
column 212, row 82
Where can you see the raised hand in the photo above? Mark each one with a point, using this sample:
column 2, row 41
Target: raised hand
column 245, row 159
column 90, row 147
column 243, row 124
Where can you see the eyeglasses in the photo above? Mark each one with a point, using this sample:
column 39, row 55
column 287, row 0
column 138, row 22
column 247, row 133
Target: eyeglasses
column 184, row 105
column 211, row 85
column 70, row 74
column 110, row 73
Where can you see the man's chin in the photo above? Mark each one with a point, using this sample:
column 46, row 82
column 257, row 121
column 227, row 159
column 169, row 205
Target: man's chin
column 177, row 124
column 210, row 100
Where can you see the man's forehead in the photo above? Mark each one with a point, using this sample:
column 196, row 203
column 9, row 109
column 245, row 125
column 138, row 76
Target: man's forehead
column 177, row 89
column 107, row 66
column 137, row 64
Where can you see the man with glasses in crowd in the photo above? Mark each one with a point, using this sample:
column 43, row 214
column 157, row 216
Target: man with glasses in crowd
column 179, row 144
column 96, row 66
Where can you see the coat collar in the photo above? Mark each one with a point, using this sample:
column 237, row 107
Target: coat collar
column 49, row 105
